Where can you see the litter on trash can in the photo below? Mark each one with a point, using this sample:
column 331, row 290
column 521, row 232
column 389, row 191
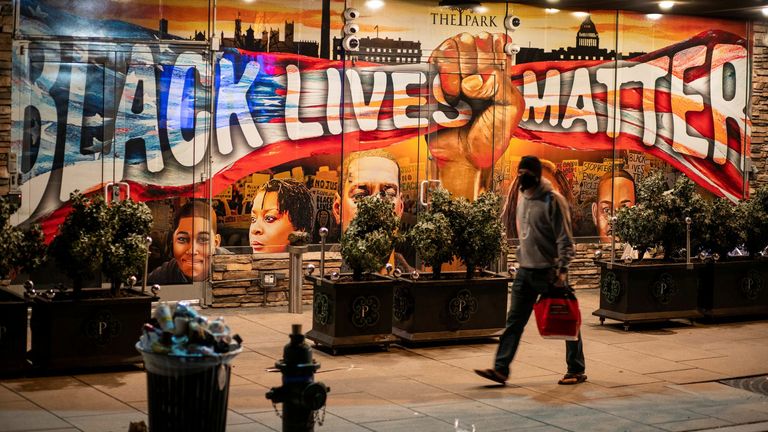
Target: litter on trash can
column 185, row 333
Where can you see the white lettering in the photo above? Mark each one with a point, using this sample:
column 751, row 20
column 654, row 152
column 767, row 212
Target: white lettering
column 141, row 70
column 683, row 103
column 581, row 94
column 333, row 101
column 187, row 153
column 729, row 96
column 367, row 114
column 232, row 100
column 538, row 104
column 401, row 101
column 295, row 128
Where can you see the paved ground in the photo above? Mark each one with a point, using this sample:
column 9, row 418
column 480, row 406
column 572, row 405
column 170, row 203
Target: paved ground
column 653, row 378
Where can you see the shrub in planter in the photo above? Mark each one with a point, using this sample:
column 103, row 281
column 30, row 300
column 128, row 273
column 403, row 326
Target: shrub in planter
column 478, row 234
column 753, row 221
column 432, row 236
column 370, row 238
column 721, row 232
column 128, row 225
column 20, row 249
column 639, row 226
column 358, row 312
column 658, row 218
column 457, row 305
column 82, row 240
column 99, row 237
column 94, row 327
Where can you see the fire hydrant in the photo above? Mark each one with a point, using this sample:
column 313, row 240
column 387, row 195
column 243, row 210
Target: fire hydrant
column 300, row 395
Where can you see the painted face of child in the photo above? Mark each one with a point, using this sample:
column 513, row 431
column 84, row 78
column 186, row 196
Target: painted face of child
column 193, row 242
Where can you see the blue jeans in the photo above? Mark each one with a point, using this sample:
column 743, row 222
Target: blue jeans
column 528, row 284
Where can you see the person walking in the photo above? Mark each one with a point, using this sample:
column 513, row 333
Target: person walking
column 543, row 223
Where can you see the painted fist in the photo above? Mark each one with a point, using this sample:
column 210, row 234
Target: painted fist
column 475, row 69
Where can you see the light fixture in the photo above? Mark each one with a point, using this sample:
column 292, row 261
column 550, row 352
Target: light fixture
column 653, row 16
column 551, row 10
column 666, row 5
column 765, row 11
column 480, row 9
column 374, row 4
column 553, row 1
column 580, row 14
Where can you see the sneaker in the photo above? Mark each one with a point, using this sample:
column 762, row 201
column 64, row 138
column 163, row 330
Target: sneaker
column 493, row 375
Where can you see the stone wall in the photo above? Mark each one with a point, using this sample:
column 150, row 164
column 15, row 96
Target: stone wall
column 6, row 30
column 236, row 277
column 235, row 280
column 760, row 104
column 583, row 272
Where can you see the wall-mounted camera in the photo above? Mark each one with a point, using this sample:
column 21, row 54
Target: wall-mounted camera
column 351, row 43
column 511, row 49
column 351, row 28
column 351, row 14
column 512, row 22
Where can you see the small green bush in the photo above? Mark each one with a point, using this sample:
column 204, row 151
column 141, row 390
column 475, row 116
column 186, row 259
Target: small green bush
column 20, row 249
column 368, row 242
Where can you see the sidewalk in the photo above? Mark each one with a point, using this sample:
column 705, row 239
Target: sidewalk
column 660, row 377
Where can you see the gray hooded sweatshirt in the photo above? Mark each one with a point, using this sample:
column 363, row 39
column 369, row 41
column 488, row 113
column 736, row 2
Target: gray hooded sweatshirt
column 544, row 228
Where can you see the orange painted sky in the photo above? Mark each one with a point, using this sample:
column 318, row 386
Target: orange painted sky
column 408, row 20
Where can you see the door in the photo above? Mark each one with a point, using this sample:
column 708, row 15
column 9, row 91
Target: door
column 160, row 156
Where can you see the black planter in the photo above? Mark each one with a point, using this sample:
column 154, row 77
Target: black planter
column 648, row 292
column 347, row 313
column 735, row 288
column 13, row 333
column 450, row 308
column 94, row 331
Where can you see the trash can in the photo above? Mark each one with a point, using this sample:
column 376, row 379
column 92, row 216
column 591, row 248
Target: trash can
column 187, row 393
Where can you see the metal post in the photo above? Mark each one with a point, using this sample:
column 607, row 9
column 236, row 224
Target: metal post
column 688, row 264
column 296, row 277
column 146, row 266
column 613, row 241
column 323, row 235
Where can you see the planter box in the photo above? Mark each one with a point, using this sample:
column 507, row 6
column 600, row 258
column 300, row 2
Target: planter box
column 648, row 292
column 450, row 308
column 735, row 288
column 13, row 332
column 93, row 331
column 347, row 313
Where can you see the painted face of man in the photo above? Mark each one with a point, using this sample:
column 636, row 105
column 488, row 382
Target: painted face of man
column 624, row 194
column 367, row 176
column 193, row 242
column 269, row 226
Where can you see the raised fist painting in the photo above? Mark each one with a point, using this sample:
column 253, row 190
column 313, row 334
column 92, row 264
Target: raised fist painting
column 475, row 69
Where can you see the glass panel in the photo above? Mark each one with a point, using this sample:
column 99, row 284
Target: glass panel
column 161, row 144
column 278, row 125
column 62, row 128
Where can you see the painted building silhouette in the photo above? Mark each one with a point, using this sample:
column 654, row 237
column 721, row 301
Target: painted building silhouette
column 587, row 48
column 382, row 50
column 270, row 40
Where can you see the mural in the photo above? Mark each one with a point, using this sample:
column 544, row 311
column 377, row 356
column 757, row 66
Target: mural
column 285, row 116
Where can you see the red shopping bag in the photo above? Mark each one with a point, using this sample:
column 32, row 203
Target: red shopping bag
column 557, row 314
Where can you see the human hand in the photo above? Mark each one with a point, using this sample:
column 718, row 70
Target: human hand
column 475, row 69
column 562, row 279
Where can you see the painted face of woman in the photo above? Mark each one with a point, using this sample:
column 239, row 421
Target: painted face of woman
column 270, row 227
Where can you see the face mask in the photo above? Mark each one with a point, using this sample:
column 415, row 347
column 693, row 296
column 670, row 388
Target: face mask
column 528, row 181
